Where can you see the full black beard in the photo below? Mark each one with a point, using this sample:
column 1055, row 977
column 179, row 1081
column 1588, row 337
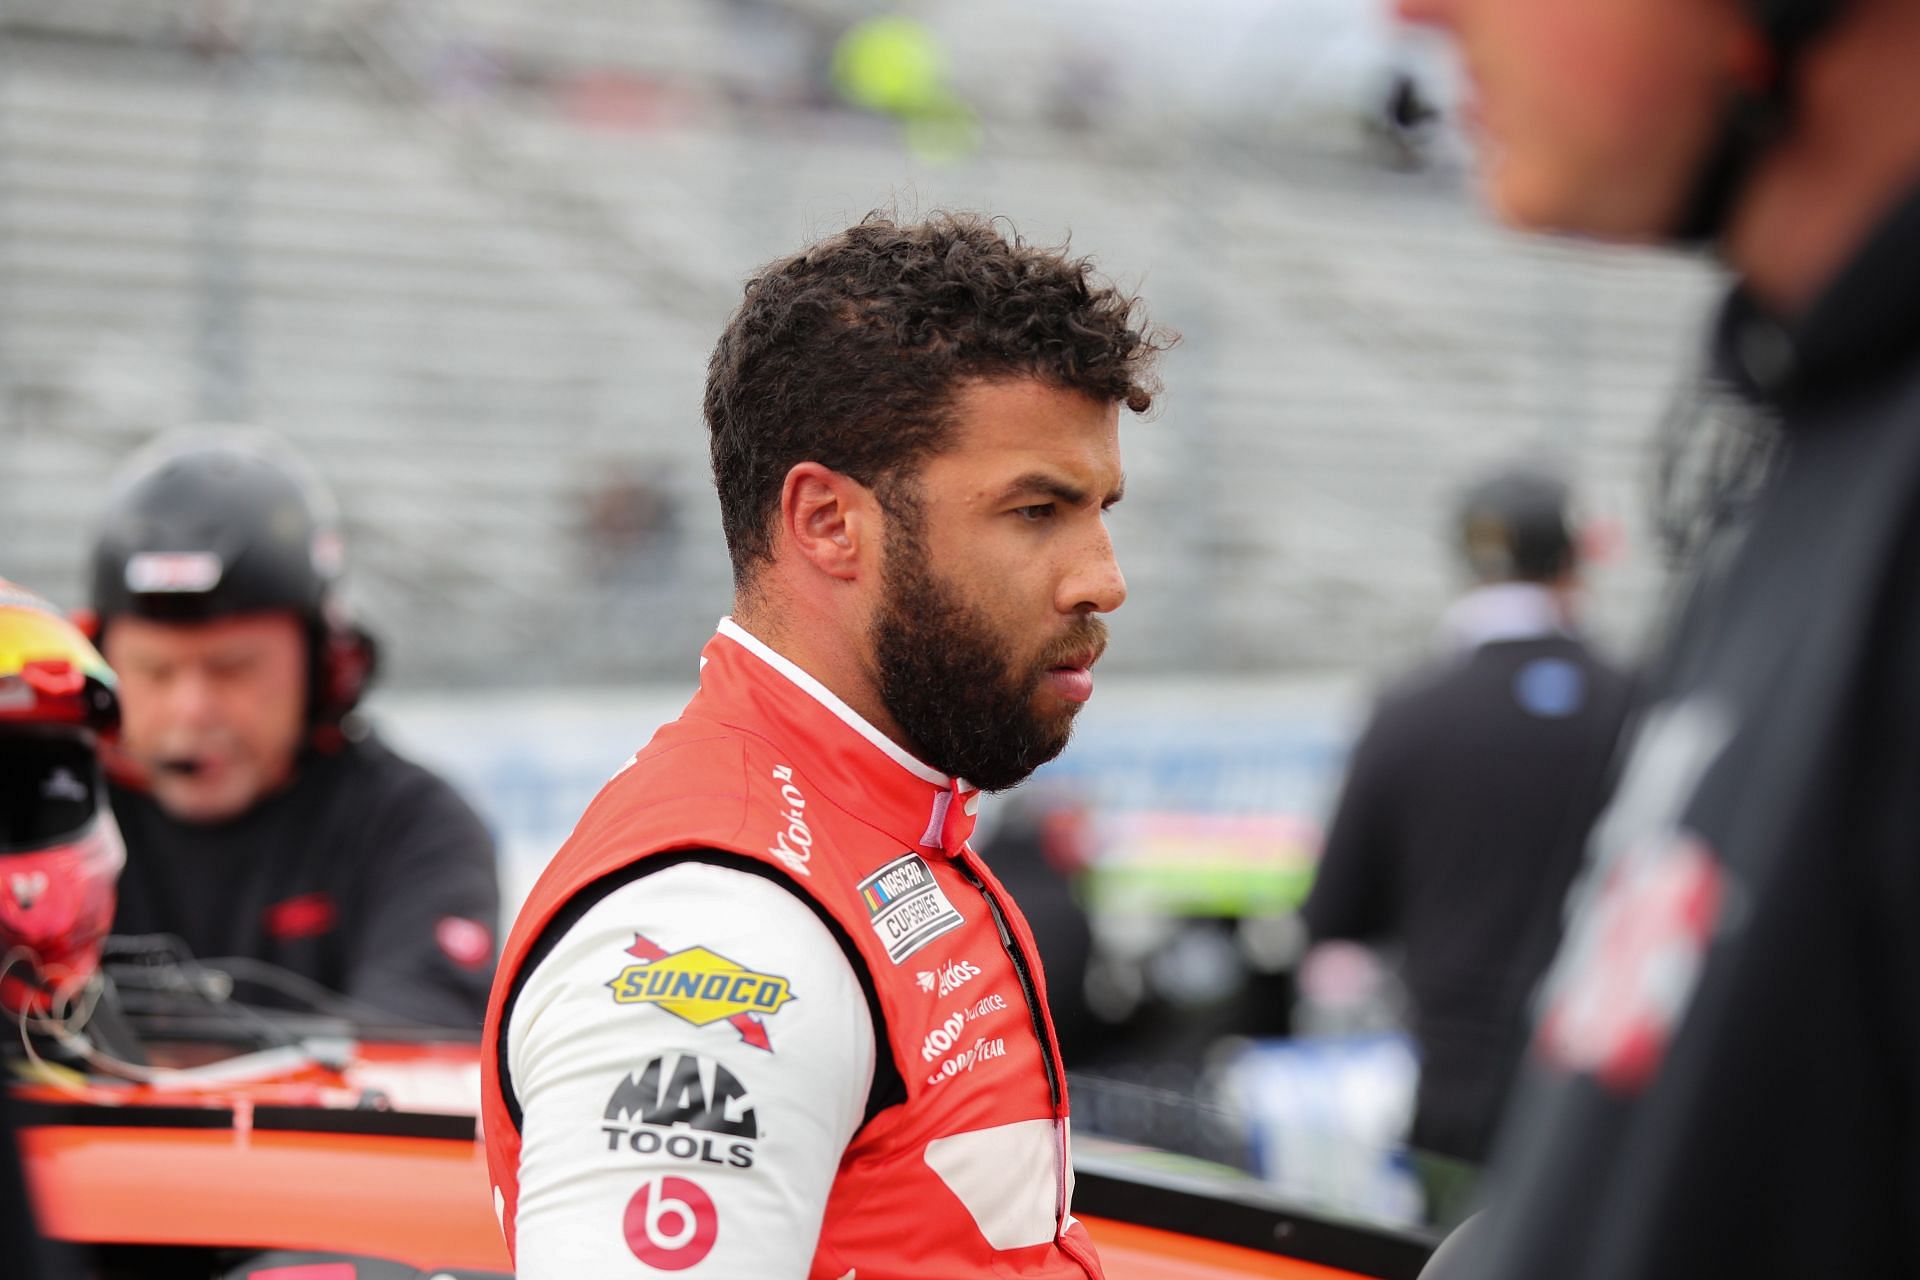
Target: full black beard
column 950, row 686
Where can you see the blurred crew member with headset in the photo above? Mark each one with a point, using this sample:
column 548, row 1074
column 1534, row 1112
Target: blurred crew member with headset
column 262, row 821
column 1724, row 1078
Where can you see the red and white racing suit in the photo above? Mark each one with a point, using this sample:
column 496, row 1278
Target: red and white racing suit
column 680, row 1062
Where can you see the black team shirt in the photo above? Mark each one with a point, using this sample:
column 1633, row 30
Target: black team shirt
column 1459, row 829
column 1725, row 1080
column 367, row 874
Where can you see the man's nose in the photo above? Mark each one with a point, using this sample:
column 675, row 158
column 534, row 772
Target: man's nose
column 189, row 698
column 1096, row 585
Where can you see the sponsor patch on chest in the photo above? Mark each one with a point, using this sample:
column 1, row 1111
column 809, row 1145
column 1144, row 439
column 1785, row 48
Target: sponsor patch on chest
column 907, row 906
column 309, row 915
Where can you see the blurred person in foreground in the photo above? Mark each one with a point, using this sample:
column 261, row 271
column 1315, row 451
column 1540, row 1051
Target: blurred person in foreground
column 60, row 851
column 767, row 1012
column 1725, row 1076
column 263, row 820
column 1465, row 806
column 59, row 855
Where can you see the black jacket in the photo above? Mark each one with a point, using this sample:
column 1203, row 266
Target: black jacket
column 1457, row 833
column 367, row 875
column 1726, row 1079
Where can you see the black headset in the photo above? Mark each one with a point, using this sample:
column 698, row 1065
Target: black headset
column 1756, row 114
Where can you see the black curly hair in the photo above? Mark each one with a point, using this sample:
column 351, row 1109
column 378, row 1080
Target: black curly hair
column 851, row 352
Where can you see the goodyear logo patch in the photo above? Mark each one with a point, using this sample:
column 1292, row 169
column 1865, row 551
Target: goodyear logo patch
column 702, row 987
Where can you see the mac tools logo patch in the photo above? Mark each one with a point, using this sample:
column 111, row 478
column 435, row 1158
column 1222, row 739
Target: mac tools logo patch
column 646, row 1110
column 906, row 906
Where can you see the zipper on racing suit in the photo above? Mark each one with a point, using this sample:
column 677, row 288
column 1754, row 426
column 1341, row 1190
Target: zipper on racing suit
column 1055, row 1086
column 1030, row 992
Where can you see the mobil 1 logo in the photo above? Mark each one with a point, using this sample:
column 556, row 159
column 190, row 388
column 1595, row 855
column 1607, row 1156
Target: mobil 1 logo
column 906, row 905
column 684, row 1107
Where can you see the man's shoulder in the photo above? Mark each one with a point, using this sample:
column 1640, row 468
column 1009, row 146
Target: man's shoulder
column 367, row 760
column 693, row 774
column 1433, row 696
column 382, row 783
column 686, row 788
column 699, row 782
column 1414, row 694
column 684, row 753
column 712, row 756
column 1499, row 661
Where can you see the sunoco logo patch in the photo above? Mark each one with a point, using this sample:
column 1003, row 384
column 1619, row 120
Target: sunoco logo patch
column 906, row 906
column 702, row 987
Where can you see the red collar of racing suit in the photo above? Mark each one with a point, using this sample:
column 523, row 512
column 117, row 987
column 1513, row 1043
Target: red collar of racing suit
column 750, row 688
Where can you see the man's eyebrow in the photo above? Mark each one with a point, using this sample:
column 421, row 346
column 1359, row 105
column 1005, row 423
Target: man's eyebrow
column 1059, row 490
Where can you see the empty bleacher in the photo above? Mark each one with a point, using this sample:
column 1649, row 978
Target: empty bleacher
column 474, row 314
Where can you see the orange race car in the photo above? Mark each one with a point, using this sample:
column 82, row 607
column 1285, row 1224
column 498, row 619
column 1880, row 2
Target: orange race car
column 344, row 1152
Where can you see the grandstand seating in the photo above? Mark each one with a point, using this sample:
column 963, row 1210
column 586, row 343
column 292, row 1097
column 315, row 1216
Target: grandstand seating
column 475, row 315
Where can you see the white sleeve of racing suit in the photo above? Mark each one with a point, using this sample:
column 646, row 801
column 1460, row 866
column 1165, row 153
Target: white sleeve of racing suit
column 691, row 1060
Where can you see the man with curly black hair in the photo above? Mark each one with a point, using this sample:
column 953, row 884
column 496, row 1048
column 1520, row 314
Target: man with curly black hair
column 767, row 1013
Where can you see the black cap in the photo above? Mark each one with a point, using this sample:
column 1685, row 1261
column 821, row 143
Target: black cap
column 1515, row 525
column 210, row 522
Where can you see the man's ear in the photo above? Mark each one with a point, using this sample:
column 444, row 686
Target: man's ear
column 827, row 517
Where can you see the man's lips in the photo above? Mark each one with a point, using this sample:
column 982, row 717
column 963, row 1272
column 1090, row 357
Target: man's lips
column 1072, row 678
column 181, row 764
column 1075, row 684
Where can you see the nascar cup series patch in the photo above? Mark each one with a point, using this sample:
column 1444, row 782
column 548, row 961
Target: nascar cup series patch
column 906, row 906
column 702, row 987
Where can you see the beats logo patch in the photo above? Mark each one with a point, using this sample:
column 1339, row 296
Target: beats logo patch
column 671, row 1224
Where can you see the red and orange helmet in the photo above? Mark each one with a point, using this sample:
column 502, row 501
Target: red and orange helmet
column 60, row 852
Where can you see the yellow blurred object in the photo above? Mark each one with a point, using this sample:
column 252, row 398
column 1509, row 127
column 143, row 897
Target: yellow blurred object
column 892, row 65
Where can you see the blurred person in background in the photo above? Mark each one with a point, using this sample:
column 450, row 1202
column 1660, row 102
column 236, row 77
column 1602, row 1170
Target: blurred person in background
column 1725, row 1074
column 1465, row 807
column 263, row 821
column 767, row 1013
